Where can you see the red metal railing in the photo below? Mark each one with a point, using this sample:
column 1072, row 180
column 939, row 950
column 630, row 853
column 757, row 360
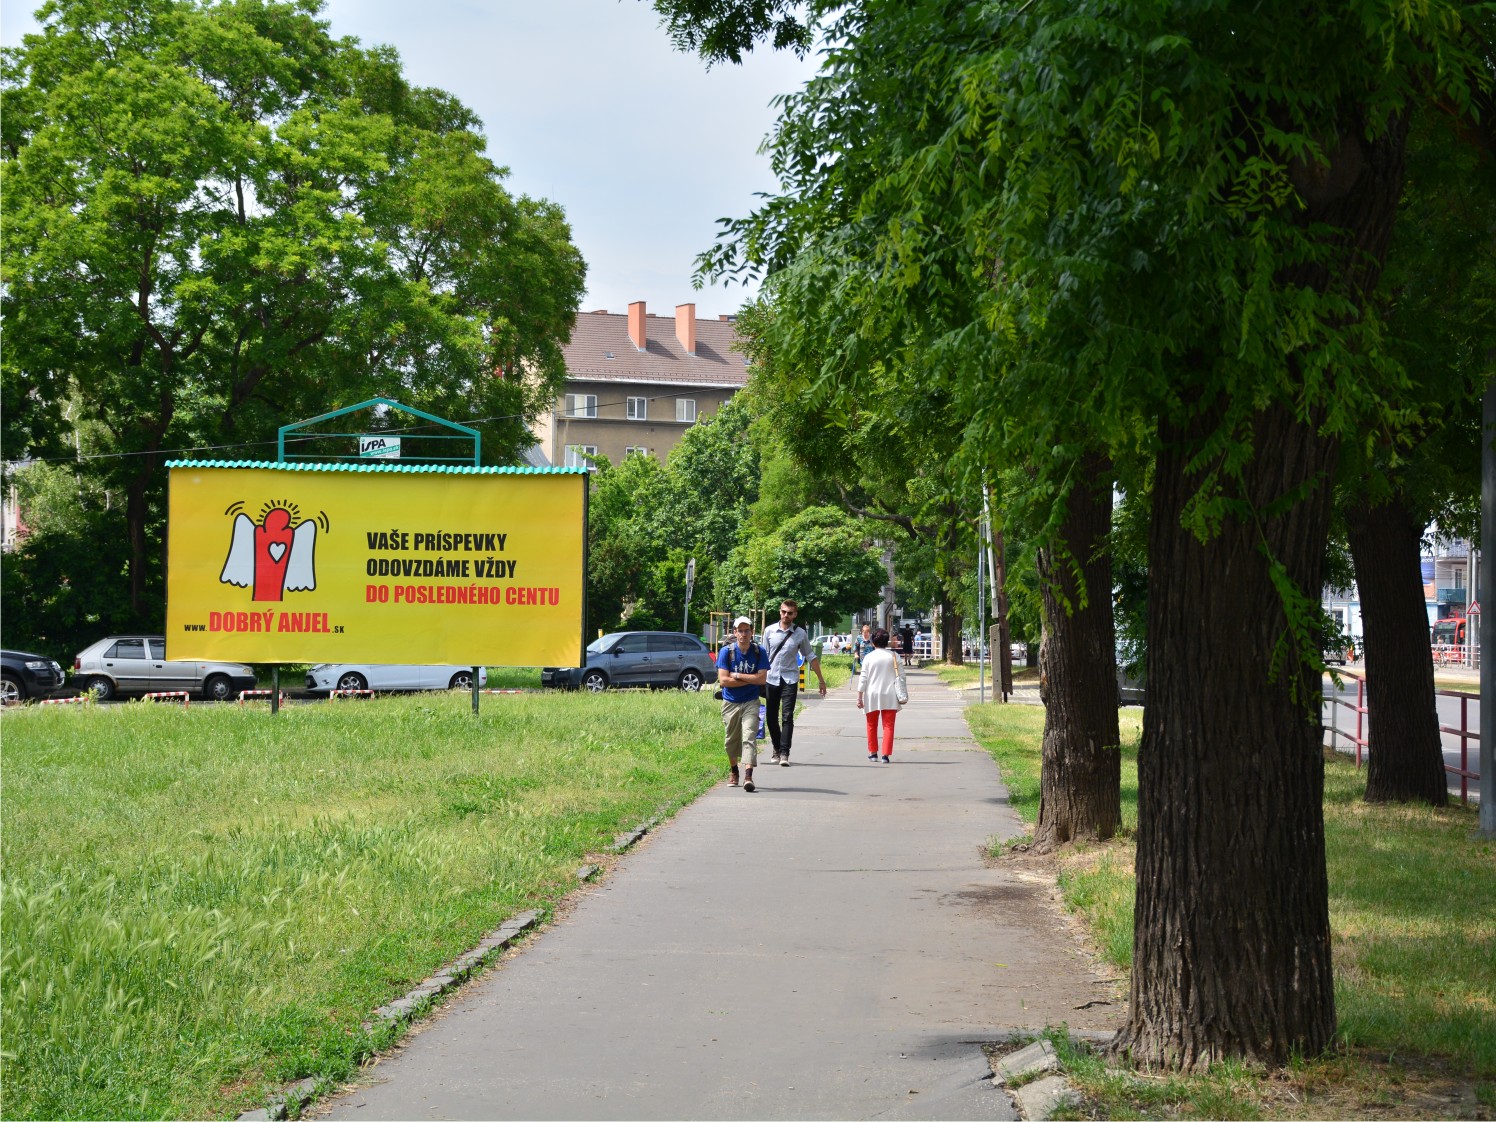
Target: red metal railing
column 1357, row 739
column 1456, row 654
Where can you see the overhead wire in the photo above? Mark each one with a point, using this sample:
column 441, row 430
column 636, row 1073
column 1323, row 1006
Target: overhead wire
column 412, row 429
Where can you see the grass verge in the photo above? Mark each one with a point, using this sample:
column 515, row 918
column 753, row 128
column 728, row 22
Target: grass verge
column 967, row 675
column 1415, row 953
column 201, row 904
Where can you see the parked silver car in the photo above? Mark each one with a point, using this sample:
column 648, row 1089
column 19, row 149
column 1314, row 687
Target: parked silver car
column 638, row 658
column 138, row 664
column 389, row 676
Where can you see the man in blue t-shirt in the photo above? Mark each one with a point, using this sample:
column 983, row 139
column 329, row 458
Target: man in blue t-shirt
column 742, row 668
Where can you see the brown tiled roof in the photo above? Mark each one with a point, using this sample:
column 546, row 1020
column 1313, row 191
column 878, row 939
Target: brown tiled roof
column 717, row 361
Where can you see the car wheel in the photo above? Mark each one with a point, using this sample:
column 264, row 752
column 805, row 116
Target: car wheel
column 462, row 680
column 11, row 690
column 218, row 688
column 690, row 680
column 352, row 681
column 595, row 681
column 102, row 688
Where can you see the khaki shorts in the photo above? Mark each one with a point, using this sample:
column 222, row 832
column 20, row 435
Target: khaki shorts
column 740, row 719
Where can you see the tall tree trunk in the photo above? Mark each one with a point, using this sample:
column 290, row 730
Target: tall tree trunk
column 1407, row 755
column 1232, row 932
column 1080, row 780
column 1231, row 939
column 950, row 631
column 1004, row 630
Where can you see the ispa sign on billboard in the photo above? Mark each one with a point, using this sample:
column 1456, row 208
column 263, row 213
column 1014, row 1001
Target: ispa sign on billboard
column 364, row 563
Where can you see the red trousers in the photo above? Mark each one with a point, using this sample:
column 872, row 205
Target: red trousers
column 888, row 716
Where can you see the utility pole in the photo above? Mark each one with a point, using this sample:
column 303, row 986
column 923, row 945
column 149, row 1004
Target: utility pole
column 1487, row 617
column 997, row 575
column 685, row 623
column 982, row 606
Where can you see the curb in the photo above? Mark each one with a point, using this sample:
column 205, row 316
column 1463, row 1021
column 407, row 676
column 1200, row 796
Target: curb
column 1041, row 1089
column 281, row 1104
column 291, row 1099
column 458, row 970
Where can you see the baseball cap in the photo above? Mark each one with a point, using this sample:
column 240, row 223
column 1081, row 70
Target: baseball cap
column 742, row 620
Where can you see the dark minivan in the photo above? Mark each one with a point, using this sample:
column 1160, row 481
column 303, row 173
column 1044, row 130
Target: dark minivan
column 638, row 658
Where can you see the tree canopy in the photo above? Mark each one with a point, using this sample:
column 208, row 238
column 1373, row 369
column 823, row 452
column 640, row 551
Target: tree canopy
column 221, row 219
column 1152, row 232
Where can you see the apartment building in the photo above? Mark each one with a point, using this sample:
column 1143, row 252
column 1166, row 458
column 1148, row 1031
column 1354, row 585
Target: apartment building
column 635, row 382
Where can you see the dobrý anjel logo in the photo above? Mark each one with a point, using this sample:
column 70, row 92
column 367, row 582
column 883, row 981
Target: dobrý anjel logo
column 277, row 554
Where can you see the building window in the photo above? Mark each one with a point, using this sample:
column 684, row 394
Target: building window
column 581, row 405
column 580, row 456
column 638, row 408
column 632, row 450
column 685, row 409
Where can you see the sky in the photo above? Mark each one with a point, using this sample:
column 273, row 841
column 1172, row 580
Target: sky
column 589, row 105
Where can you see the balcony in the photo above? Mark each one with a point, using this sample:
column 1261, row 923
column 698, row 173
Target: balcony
column 1451, row 596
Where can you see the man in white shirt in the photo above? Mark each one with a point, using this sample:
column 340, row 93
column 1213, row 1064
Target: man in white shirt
column 785, row 644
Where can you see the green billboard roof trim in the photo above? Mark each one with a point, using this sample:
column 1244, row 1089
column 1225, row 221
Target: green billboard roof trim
column 379, row 468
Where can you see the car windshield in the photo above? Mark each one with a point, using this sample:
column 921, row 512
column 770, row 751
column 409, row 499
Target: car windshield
column 598, row 646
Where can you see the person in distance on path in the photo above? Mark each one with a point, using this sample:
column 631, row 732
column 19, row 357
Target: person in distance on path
column 876, row 695
column 786, row 644
column 861, row 646
column 741, row 669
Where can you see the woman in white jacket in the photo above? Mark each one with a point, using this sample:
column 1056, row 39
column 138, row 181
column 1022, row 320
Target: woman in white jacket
column 876, row 695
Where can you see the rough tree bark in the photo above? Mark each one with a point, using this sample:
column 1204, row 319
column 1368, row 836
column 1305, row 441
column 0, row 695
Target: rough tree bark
column 1081, row 775
column 1407, row 756
column 1232, row 930
column 1004, row 630
column 950, row 631
column 1231, row 939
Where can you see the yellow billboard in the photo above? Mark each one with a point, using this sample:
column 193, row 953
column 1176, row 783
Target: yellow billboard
column 306, row 563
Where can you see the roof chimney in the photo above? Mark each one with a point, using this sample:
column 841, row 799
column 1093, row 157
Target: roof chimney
column 636, row 325
column 685, row 326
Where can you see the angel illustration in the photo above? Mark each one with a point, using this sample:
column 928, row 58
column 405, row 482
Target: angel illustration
column 275, row 556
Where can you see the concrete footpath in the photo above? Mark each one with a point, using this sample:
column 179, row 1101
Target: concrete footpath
column 829, row 946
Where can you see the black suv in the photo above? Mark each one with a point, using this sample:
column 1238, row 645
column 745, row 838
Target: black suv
column 27, row 675
column 638, row 658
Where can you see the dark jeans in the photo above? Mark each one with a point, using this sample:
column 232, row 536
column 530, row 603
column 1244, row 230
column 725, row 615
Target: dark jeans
column 779, row 703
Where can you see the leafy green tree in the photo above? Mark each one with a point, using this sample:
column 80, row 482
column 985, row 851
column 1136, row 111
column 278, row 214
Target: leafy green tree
column 220, row 219
column 61, row 591
column 885, row 451
column 646, row 520
column 1155, row 229
column 820, row 558
column 712, row 482
column 620, row 546
column 1437, row 297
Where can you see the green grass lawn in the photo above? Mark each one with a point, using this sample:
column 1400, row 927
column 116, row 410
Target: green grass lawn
column 514, row 678
column 200, row 904
column 1414, row 927
column 968, row 675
